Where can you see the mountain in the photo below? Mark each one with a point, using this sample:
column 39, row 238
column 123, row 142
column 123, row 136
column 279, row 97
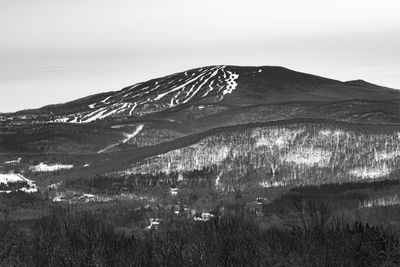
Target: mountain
column 238, row 127
column 215, row 85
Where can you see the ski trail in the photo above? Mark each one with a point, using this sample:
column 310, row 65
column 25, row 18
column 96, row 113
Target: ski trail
column 127, row 139
column 178, row 87
column 132, row 135
column 217, row 81
column 201, row 86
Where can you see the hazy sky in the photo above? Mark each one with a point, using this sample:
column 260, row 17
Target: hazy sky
column 54, row 51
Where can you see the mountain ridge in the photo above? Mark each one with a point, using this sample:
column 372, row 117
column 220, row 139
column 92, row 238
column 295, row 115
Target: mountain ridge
column 251, row 85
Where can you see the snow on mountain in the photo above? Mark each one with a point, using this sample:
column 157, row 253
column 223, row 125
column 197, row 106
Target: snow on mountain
column 128, row 137
column 159, row 94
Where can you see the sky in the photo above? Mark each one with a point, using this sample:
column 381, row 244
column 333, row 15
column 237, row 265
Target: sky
column 54, row 51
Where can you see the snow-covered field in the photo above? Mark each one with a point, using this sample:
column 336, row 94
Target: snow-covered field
column 370, row 172
column 383, row 201
column 43, row 167
column 11, row 178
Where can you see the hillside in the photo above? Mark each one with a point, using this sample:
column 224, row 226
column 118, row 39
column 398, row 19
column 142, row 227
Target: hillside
column 223, row 128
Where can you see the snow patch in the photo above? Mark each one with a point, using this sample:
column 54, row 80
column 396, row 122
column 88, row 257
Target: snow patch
column 383, row 155
column 309, row 157
column 330, row 133
column 132, row 135
column 11, row 178
column 154, row 223
column 232, row 84
column 128, row 137
column 370, row 172
column 205, row 216
column 17, row 161
column 43, row 167
column 61, row 120
column 383, row 201
column 275, row 137
column 174, row 191
column 54, row 186
column 105, row 100
column 269, row 184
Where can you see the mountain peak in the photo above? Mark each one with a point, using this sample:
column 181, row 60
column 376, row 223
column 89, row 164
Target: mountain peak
column 360, row 82
column 219, row 84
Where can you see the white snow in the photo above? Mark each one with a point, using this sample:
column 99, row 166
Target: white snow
column 269, row 184
column 132, row 109
column 370, row 172
column 232, row 84
column 128, row 137
column 154, row 223
column 43, row 167
column 28, row 190
column 54, row 186
column 61, row 120
column 217, row 181
column 383, row 201
column 210, row 88
column 105, row 99
column 275, row 137
column 88, row 195
column 384, row 155
column 180, row 89
column 330, row 133
column 309, row 157
column 108, row 148
column 196, row 157
column 205, row 216
column 11, row 178
column 201, row 86
column 132, row 135
column 174, row 191
column 15, row 178
column 59, row 198
column 279, row 141
column 97, row 114
column 13, row 161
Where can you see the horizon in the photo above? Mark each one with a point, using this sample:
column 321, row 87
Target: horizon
column 58, row 52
